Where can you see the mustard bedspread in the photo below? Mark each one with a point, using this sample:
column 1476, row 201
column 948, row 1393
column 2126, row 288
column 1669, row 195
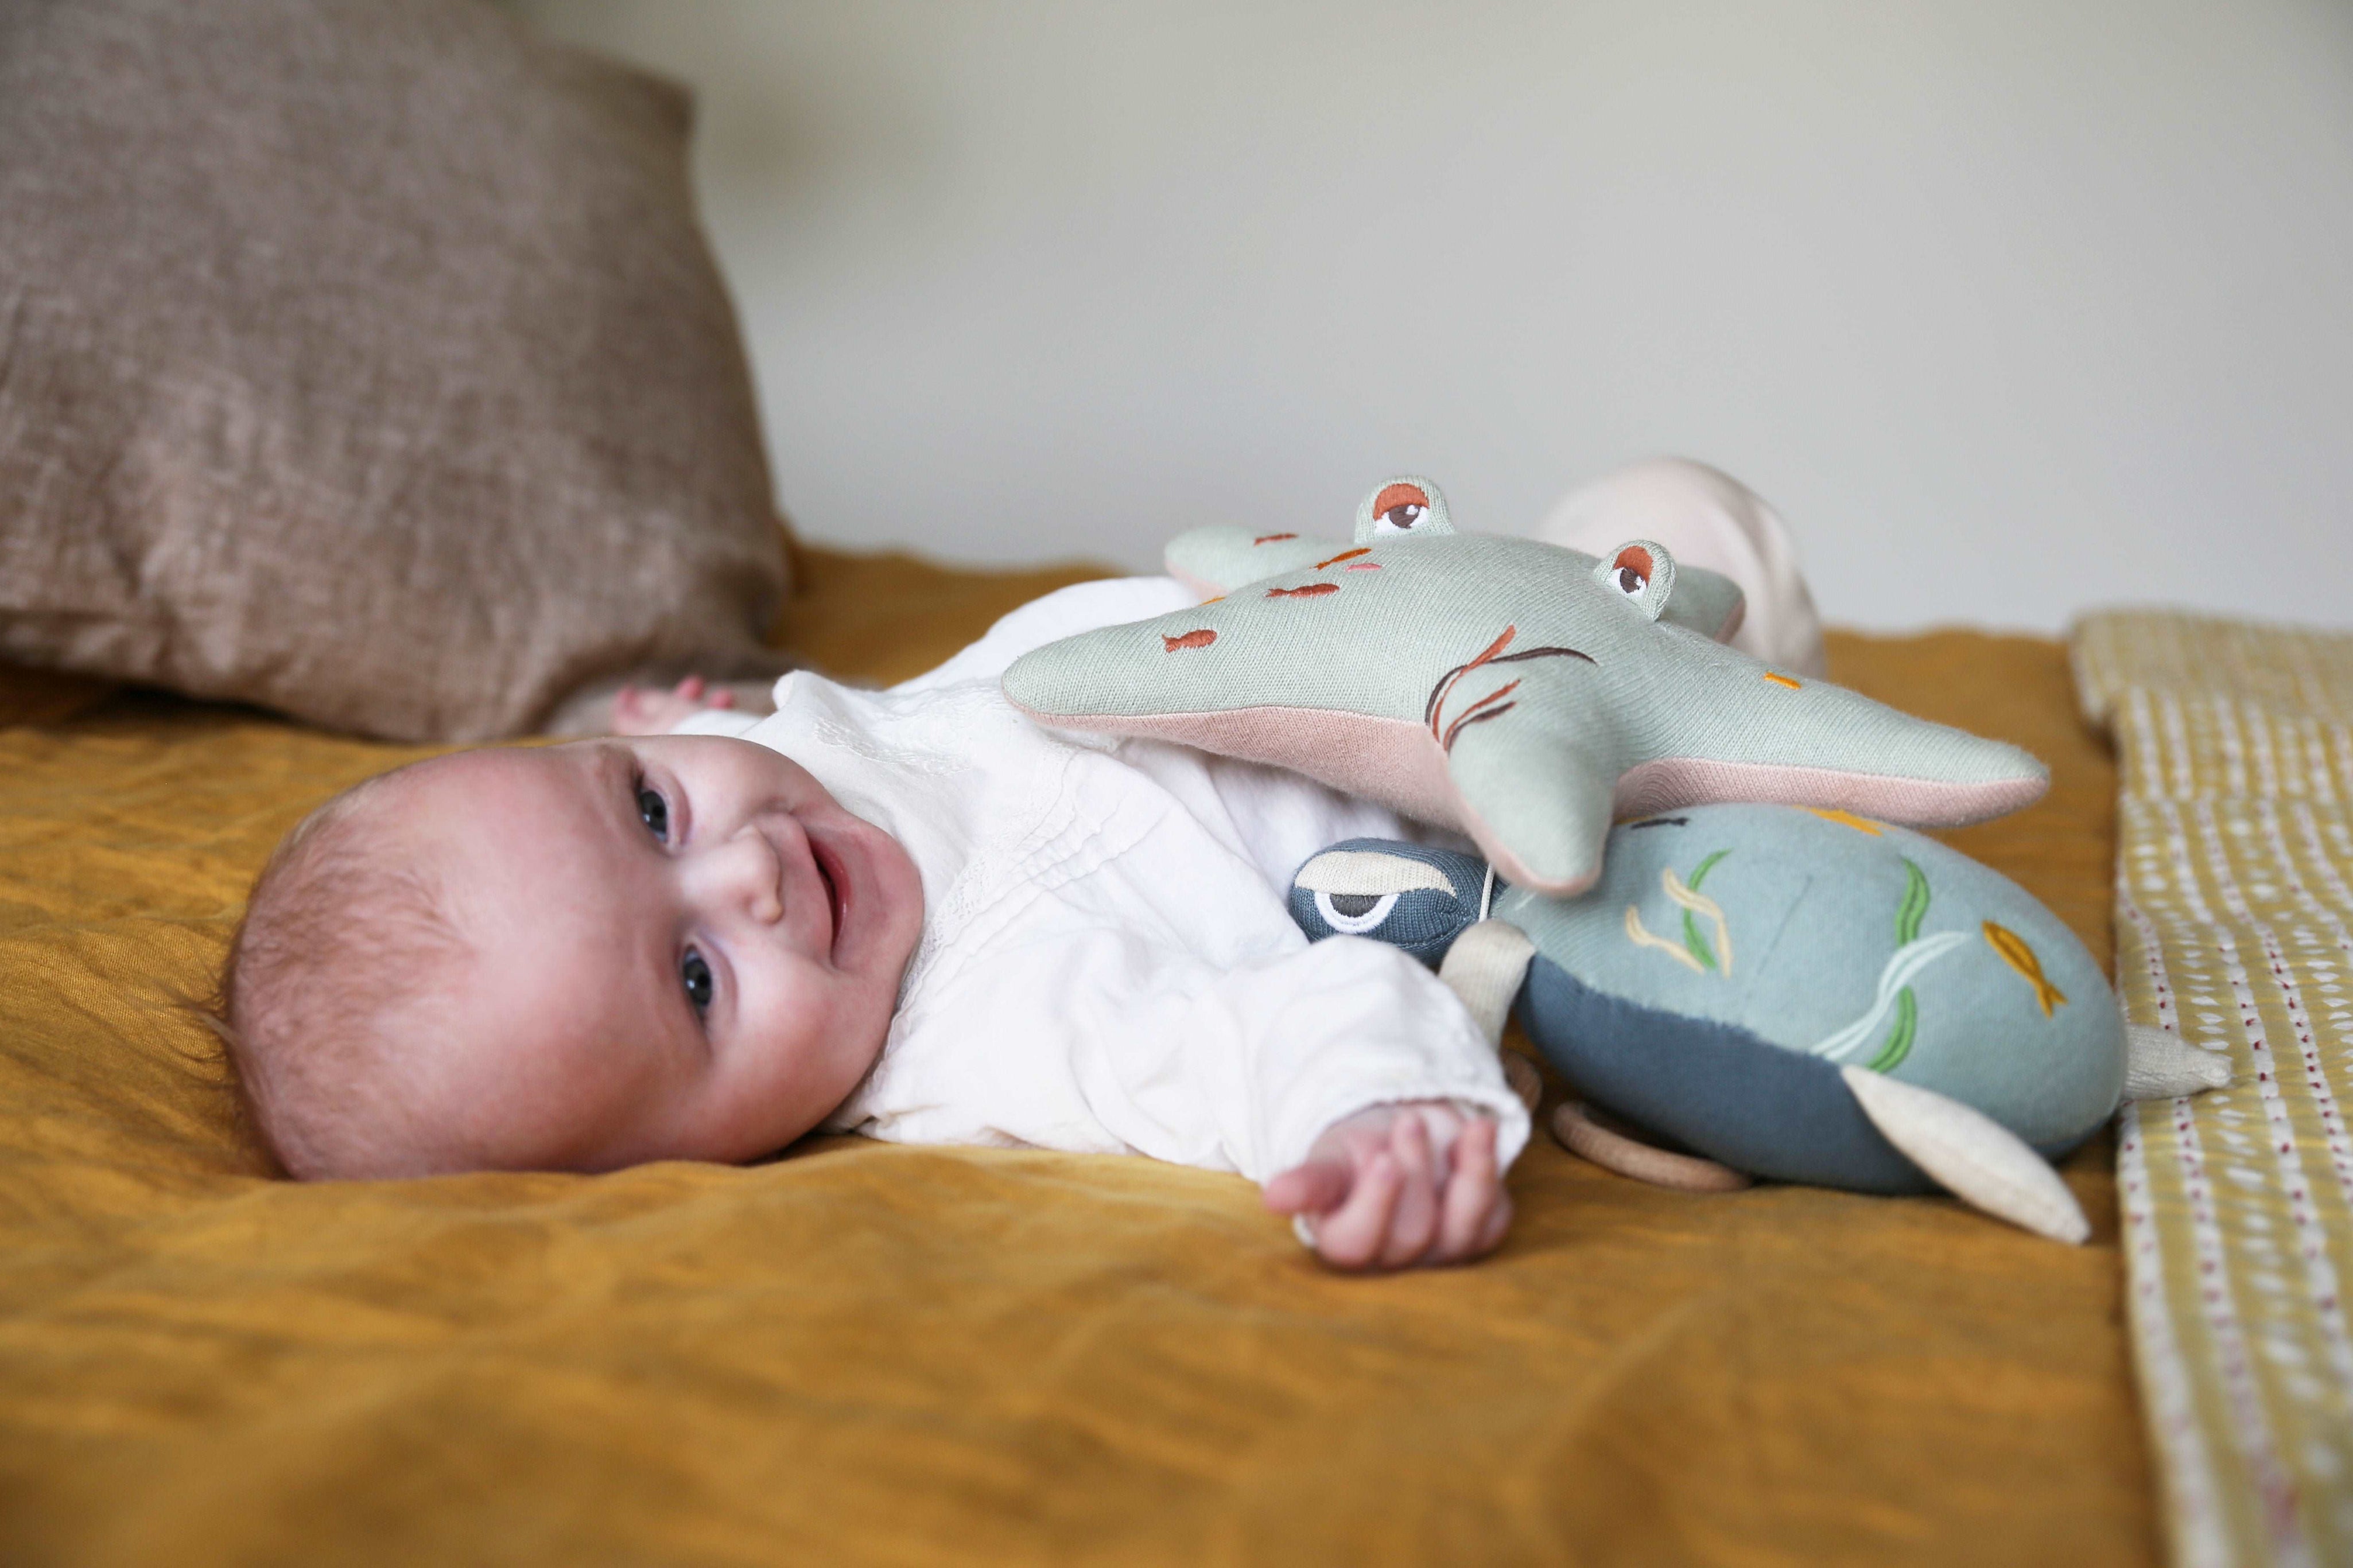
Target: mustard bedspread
column 863, row 1354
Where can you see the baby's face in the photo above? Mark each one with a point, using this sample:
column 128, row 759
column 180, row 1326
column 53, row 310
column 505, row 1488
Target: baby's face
column 680, row 947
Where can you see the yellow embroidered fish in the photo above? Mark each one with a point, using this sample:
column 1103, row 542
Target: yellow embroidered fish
column 1845, row 819
column 2020, row 957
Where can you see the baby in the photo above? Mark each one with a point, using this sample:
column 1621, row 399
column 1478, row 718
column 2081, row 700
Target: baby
column 910, row 913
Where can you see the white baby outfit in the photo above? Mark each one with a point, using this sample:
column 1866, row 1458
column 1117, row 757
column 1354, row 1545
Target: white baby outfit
column 1107, row 963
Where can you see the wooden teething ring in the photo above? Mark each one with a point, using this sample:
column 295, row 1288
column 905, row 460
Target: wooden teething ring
column 1614, row 1151
column 1521, row 1074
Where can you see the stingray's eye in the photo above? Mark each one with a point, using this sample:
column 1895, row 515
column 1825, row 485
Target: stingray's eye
column 1399, row 508
column 1631, row 571
column 1354, row 914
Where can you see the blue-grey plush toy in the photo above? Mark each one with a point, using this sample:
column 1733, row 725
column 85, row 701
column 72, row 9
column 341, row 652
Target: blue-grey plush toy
column 1804, row 996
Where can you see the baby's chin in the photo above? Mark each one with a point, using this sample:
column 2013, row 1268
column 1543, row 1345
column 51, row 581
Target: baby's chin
column 757, row 1132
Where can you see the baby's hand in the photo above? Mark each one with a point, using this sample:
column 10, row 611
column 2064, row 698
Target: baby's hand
column 642, row 710
column 1375, row 1194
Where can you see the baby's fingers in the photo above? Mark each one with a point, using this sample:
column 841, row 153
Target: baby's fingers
column 1477, row 1210
column 637, row 711
column 1353, row 1235
column 696, row 692
column 1499, row 1224
column 1316, row 1187
column 1413, row 1225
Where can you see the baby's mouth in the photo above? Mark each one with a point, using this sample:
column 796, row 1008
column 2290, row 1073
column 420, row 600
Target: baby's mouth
column 830, row 875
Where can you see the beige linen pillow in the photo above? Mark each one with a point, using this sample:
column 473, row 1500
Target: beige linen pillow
column 363, row 359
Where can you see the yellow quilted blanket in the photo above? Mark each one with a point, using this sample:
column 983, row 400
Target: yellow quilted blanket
column 863, row 1354
column 2234, row 912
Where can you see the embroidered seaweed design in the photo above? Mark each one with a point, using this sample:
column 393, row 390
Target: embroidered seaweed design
column 1641, row 935
column 1909, row 913
column 1719, row 958
column 1904, row 966
column 1492, row 705
column 1694, row 953
column 1912, row 954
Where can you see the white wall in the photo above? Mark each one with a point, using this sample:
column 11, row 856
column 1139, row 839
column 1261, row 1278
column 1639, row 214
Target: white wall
column 2011, row 308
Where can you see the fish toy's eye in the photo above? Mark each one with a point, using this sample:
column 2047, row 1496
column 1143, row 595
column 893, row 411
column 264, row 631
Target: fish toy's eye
column 1407, row 895
column 1629, row 581
column 1354, row 914
column 1402, row 518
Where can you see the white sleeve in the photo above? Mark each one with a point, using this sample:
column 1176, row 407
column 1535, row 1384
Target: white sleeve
column 1066, row 612
column 1146, row 1046
column 1278, row 1053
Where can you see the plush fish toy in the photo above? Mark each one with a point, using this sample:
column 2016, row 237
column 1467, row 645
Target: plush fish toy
column 1805, row 996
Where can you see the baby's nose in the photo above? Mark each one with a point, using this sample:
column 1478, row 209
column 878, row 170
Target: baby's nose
column 747, row 871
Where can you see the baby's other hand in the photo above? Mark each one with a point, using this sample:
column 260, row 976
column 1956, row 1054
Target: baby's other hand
column 1376, row 1192
column 644, row 710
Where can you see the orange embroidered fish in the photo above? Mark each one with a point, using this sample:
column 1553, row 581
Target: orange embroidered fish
column 1845, row 819
column 2020, row 957
column 1201, row 638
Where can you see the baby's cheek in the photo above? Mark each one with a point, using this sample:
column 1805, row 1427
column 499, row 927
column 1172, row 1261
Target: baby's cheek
column 795, row 1054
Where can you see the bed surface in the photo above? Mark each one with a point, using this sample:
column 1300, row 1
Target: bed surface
column 870, row 1353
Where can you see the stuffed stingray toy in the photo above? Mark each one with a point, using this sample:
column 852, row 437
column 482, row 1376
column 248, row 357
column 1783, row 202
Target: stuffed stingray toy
column 1807, row 995
column 1521, row 693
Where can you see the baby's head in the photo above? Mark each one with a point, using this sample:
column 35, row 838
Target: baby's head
column 566, row 958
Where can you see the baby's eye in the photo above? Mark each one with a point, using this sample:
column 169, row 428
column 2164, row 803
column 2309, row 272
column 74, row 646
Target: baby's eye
column 696, row 975
column 654, row 812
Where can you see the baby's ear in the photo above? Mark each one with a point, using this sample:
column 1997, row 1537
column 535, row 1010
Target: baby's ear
column 1643, row 572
